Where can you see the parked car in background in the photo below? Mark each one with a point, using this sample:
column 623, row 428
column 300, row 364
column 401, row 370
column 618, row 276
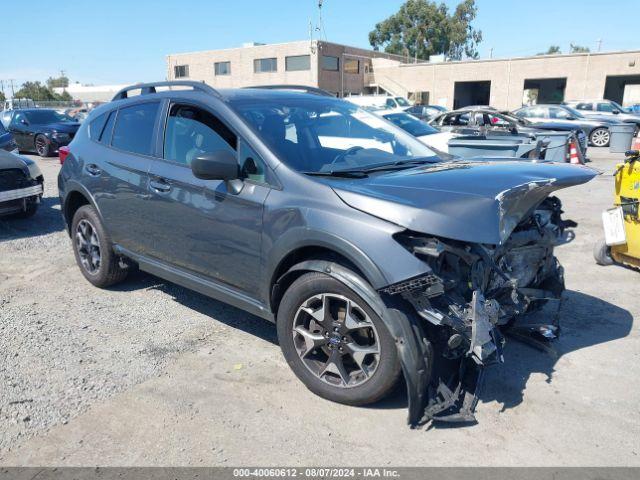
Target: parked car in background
column 7, row 141
column 371, row 259
column 41, row 130
column 606, row 108
column 21, row 185
column 489, row 124
column 426, row 112
column 597, row 129
column 377, row 102
column 410, row 124
column 633, row 109
column 77, row 114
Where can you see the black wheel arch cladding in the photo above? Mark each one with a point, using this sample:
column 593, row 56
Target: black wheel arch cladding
column 403, row 326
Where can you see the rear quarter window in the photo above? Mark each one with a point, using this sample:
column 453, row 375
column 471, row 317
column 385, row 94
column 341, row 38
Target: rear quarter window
column 134, row 128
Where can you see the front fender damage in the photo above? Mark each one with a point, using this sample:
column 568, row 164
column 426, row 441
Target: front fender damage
column 475, row 293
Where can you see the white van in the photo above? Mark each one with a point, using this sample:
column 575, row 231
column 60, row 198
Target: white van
column 380, row 102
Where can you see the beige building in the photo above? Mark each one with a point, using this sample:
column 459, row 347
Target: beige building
column 337, row 68
column 502, row 83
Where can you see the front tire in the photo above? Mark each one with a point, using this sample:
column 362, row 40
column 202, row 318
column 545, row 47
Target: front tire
column 43, row 147
column 335, row 343
column 600, row 137
column 93, row 249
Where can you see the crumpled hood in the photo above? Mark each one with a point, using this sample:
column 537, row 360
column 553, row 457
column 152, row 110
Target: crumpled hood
column 473, row 201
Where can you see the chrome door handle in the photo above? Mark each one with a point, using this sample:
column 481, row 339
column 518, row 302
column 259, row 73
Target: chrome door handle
column 160, row 185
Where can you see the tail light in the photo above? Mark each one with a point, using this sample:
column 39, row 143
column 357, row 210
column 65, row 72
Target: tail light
column 63, row 153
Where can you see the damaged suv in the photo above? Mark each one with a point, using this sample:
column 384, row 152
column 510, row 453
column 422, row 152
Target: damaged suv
column 376, row 258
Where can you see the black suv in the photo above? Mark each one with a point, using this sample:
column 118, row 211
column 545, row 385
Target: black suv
column 372, row 255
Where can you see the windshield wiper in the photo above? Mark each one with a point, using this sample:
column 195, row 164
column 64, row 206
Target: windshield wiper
column 398, row 165
column 339, row 173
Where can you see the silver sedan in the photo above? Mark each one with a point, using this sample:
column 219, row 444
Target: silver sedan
column 596, row 128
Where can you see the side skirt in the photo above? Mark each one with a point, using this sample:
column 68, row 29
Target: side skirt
column 205, row 286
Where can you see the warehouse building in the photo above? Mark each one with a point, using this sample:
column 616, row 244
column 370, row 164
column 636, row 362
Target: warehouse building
column 337, row 68
column 502, row 83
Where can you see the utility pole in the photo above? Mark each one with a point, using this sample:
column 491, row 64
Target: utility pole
column 491, row 53
column 599, row 43
column 13, row 91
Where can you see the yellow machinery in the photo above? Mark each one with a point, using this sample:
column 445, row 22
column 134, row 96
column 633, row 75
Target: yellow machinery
column 622, row 223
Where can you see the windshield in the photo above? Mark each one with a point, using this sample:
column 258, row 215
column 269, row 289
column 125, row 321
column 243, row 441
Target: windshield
column 410, row 124
column 618, row 106
column 321, row 134
column 573, row 111
column 45, row 116
column 402, row 102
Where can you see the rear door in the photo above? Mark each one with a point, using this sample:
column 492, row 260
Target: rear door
column 208, row 227
column 118, row 174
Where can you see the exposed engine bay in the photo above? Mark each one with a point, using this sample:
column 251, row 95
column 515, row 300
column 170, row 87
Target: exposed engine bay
column 477, row 293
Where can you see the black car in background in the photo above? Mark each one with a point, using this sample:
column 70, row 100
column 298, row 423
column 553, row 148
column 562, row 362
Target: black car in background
column 6, row 140
column 40, row 130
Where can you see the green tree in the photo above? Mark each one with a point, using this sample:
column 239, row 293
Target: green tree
column 37, row 91
column 2, row 97
column 422, row 28
column 552, row 50
column 578, row 48
column 59, row 82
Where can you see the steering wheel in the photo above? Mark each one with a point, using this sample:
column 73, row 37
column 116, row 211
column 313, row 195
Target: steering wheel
column 347, row 152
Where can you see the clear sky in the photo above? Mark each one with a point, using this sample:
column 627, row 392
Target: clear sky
column 123, row 41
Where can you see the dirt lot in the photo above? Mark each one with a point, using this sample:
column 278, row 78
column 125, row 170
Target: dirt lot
column 152, row 374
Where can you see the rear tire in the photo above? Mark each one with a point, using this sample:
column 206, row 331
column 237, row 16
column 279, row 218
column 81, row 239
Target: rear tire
column 322, row 358
column 602, row 254
column 93, row 249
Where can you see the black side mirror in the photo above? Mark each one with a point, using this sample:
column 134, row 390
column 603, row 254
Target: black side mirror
column 218, row 165
column 571, row 117
column 24, row 121
column 616, row 112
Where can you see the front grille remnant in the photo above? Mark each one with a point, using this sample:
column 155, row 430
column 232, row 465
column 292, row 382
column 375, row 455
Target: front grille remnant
column 12, row 179
column 413, row 284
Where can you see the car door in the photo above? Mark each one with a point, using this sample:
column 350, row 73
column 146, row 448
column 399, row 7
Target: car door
column 19, row 128
column 116, row 172
column 208, row 227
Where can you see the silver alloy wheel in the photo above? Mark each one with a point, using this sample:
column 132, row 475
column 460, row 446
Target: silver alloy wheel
column 41, row 146
column 336, row 340
column 600, row 137
column 88, row 246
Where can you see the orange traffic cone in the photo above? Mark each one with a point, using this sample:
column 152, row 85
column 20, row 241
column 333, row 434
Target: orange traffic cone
column 573, row 153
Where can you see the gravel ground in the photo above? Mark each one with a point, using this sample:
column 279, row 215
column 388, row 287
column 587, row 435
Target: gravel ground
column 149, row 373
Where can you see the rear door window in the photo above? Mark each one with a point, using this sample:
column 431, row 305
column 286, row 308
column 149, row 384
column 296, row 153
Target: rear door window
column 584, row 106
column 134, row 128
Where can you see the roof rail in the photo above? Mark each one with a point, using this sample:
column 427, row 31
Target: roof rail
column 148, row 88
column 303, row 88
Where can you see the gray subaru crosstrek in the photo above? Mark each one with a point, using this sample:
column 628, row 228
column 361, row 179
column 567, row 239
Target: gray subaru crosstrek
column 378, row 259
